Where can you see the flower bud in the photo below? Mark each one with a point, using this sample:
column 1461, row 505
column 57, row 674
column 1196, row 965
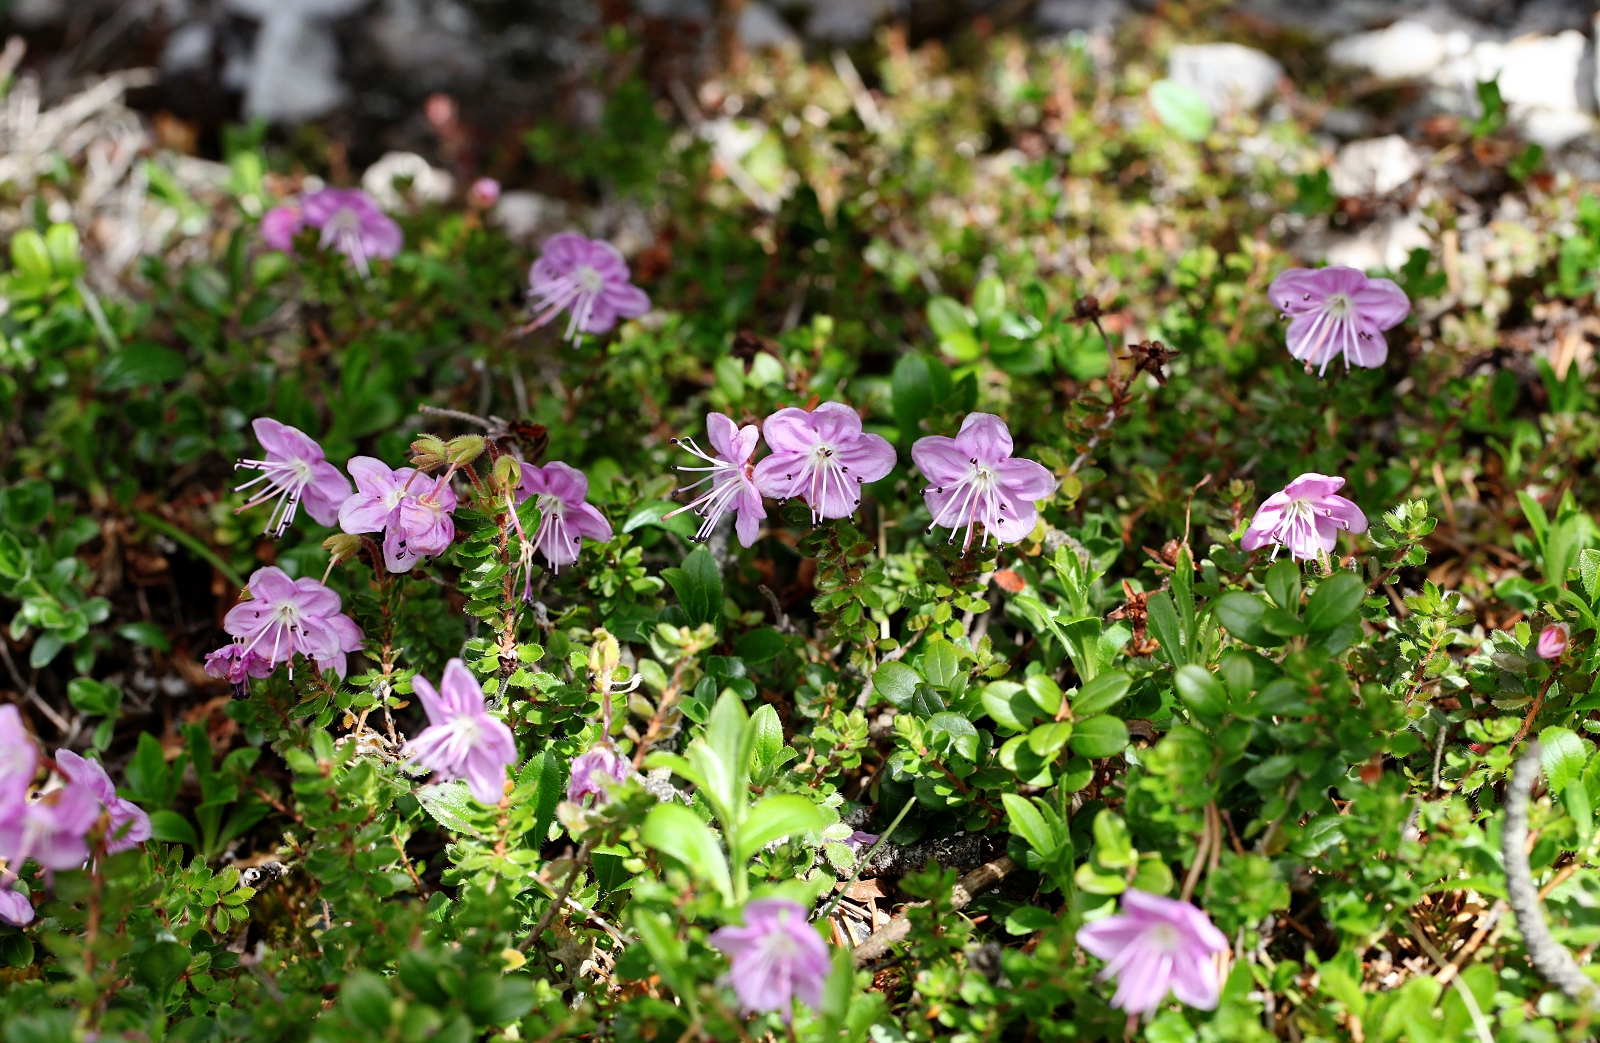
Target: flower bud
column 507, row 472
column 428, row 452
column 342, row 547
column 604, row 654
column 463, row 449
column 1552, row 641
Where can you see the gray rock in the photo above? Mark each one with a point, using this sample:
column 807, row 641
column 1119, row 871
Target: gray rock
column 188, row 48
column 1374, row 167
column 1382, row 244
column 849, row 21
column 760, row 26
column 294, row 70
column 1225, row 74
column 1545, row 82
column 1404, row 50
column 439, row 42
column 1062, row 16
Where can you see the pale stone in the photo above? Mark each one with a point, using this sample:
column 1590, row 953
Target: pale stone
column 1374, row 167
column 1225, row 74
column 1404, row 50
column 429, row 184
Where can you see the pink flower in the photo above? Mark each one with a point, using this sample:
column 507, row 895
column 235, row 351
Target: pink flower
column 19, row 758
column 859, row 841
column 280, row 225
column 1338, row 310
column 1153, row 945
column 15, row 909
column 295, row 471
column 1552, row 641
column 564, row 518
column 410, row 509
column 589, row 278
column 732, row 487
column 775, row 957
column 485, row 192
column 130, row 826
column 823, row 457
column 50, row 830
column 975, row 481
column 286, row 616
column 462, row 741
column 594, row 770
column 236, row 664
column 352, row 224
column 1305, row 517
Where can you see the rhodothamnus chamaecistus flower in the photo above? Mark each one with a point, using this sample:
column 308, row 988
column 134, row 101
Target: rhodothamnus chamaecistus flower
column 15, row 909
column 587, row 277
column 565, row 517
column 130, row 826
column 732, row 486
column 976, row 482
column 410, row 509
column 1153, row 945
column 294, row 471
column 823, row 458
column 1338, row 311
column 1304, row 517
column 236, row 664
column 1552, row 641
column 285, row 616
column 280, row 225
column 51, row 830
column 353, row 225
column 594, row 769
column 19, row 759
column 462, row 740
column 775, row 957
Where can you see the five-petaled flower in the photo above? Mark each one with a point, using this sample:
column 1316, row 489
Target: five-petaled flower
column 976, row 482
column 1153, row 945
column 462, row 739
column 409, row 508
column 52, row 830
column 294, row 471
column 587, row 277
column 595, row 769
column 823, row 457
column 732, row 486
column 1338, row 310
column 129, row 825
column 564, row 516
column 1305, row 517
column 350, row 220
column 287, row 616
column 775, row 957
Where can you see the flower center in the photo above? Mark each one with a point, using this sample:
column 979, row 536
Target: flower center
column 588, row 279
column 1338, row 305
column 1164, row 936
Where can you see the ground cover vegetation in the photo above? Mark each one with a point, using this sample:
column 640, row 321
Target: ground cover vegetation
column 963, row 576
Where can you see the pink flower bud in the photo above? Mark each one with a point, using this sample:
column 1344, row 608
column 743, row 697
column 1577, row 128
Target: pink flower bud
column 1552, row 641
column 485, row 192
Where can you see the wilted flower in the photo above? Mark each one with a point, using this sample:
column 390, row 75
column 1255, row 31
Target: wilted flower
column 594, row 769
column 280, row 225
column 19, row 759
column 485, row 192
column 352, row 224
column 732, row 487
column 860, row 841
column 589, row 278
column 975, row 481
column 15, row 909
column 50, row 830
column 775, row 957
column 1338, row 310
column 1552, row 641
column 236, row 664
column 285, row 616
column 130, row 826
column 1305, row 517
column 409, row 508
column 295, row 471
column 823, row 457
column 1153, row 945
column 462, row 740
column 564, row 518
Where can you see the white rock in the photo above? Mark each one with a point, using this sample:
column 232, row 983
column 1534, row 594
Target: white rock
column 1383, row 244
column 189, row 47
column 760, row 26
column 1374, row 167
column 526, row 216
column 1225, row 74
column 1089, row 15
column 1404, row 50
column 294, row 71
column 429, row 184
column 1535, row 71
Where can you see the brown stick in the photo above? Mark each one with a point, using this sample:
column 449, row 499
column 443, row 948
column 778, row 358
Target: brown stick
column 966, row 889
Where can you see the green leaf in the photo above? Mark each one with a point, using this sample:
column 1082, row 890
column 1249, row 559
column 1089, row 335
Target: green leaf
column 953, row 327
column 941, row 665
column 1046, row 694
column 897, row 683
column 698, row 585
column 1200, row 690
column 785, row 815
column 919, row 383
column 1029, row 824
column 147, row 634
column 13, row 559
column 547, row 773
column 1589, row 571
column 1098, row 737
column 767, row 733
column 1243, row 614
column 1025, row 919
column 29, row 254
column 366, row 1000
column 91, row 697
column 1562, row 755
column 667, row 952
column 141, row 364
column 963, row 736
column 674, row 830
column 1164, row 627
column 1009, row 704
column 1283, row 585
column 1181, row 109
column 1047, row 739
column 1337, row 599
column 452, row 806
column 989, row 298
column 655, row 513
column 160, row 965
column 172, row 828
column 1101, row 694
column 1113, row 845
column 148, row 775
column 760, row 646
